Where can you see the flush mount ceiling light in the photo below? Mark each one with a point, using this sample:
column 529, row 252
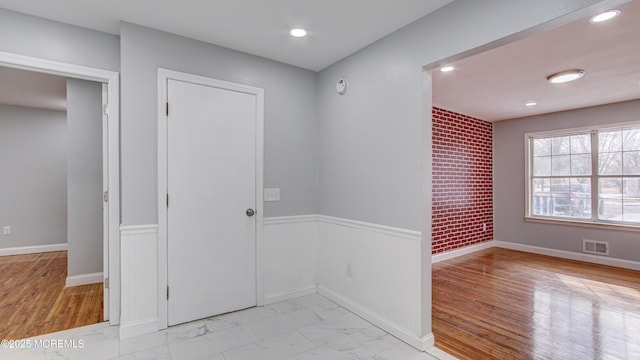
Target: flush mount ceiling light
column 447, row 68
column 607, row 15
column 530, row 103
column 298, row 32
column 565, row 76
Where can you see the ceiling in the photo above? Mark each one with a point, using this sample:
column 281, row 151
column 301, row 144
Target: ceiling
column 496, row 84
column 493, row 85
column 336, row 28
column 32, row 89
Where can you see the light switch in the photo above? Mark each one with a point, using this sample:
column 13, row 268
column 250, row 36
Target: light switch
column 6, row 230
column 272, row 194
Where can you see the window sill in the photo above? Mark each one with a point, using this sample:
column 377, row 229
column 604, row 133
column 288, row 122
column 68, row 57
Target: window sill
column 582, row 224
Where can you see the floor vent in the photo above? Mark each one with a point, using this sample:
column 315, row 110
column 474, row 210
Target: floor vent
column 595, row 247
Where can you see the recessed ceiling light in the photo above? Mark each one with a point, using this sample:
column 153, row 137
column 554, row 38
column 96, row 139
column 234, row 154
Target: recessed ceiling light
column 447, row 68
column 531, row 103
column 565, row 76
column 607, row 15
column 298, row 33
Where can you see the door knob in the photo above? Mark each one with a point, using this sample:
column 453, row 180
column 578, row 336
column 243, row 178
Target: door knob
column 250, row 212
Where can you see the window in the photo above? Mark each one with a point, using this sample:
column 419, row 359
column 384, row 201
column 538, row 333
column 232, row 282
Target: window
column 588, row 175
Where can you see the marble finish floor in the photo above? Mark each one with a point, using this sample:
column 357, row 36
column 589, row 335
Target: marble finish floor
column 306, row 328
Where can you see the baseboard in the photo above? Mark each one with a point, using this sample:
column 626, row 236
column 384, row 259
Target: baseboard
column 461, row 251
column 288, row 295
column 390, row 327
column 139, row 327
column 439, row 354
column 602, row 260
column 427, row 342
column 84, row 279
column 22, row 250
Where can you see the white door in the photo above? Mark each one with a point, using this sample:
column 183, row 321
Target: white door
column 211, row 182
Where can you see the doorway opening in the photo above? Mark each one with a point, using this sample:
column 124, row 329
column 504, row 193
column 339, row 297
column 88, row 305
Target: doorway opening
column 515, row 98
column 61, row 219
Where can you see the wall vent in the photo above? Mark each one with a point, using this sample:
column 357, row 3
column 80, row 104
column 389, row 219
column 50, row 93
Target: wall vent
column 595, row 247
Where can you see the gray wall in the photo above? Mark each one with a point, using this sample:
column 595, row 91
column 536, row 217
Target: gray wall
column 370, row 155
column 41, row 38
column 509, row 183
column 84, row 177
column 371, row 139
column 375, row 147
column 290, row 154
column 33, row 180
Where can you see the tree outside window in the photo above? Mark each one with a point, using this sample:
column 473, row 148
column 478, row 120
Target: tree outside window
column 591, row 175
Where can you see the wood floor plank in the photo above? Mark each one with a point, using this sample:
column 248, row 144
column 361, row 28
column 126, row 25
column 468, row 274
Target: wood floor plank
column 505, row 304
column 35, row 300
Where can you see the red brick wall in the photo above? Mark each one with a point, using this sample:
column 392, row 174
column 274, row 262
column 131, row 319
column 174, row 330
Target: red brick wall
column 462, row 180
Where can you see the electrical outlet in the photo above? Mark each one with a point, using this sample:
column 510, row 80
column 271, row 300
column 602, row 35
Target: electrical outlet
column 6, row 230
column 272, row 194
column 484, row 227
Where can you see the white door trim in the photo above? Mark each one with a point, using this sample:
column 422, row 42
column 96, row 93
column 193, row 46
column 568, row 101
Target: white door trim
column 112, row 79
column 105, row 190
column 163, row 76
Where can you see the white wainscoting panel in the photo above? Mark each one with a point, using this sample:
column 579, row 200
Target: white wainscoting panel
column 139, row 280
column 374, row 271
column 371, row 270
column 291, row 257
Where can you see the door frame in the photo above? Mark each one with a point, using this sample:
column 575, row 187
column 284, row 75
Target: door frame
column 111, row 139
column 164, row 75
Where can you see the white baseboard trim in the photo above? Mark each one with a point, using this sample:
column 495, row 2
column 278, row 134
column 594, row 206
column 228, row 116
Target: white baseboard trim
column 439, row 354
column 602, row 260
column 390, row 327
column 139, row 327
column 461, row 251
column 288, row 295
column 427, row 342
column 32, row 249
column 595, row 259
column 84, row 279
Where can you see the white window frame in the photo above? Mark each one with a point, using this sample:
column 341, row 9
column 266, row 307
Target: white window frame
column 593, row 221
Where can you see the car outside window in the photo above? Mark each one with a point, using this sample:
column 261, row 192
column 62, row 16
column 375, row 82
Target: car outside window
column 589, row 175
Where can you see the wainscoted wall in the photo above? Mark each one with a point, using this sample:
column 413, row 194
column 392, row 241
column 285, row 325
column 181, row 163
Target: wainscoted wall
column 462, row 181
column 370, row 269
column 291, row 257
column 374, row 271
column 140, row 308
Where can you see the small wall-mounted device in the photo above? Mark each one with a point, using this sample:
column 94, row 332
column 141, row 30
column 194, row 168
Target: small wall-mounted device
column 272, row 194
column 341, row 86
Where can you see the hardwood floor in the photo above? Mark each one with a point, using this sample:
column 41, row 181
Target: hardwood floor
column 504, row 304
column 34, row 300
